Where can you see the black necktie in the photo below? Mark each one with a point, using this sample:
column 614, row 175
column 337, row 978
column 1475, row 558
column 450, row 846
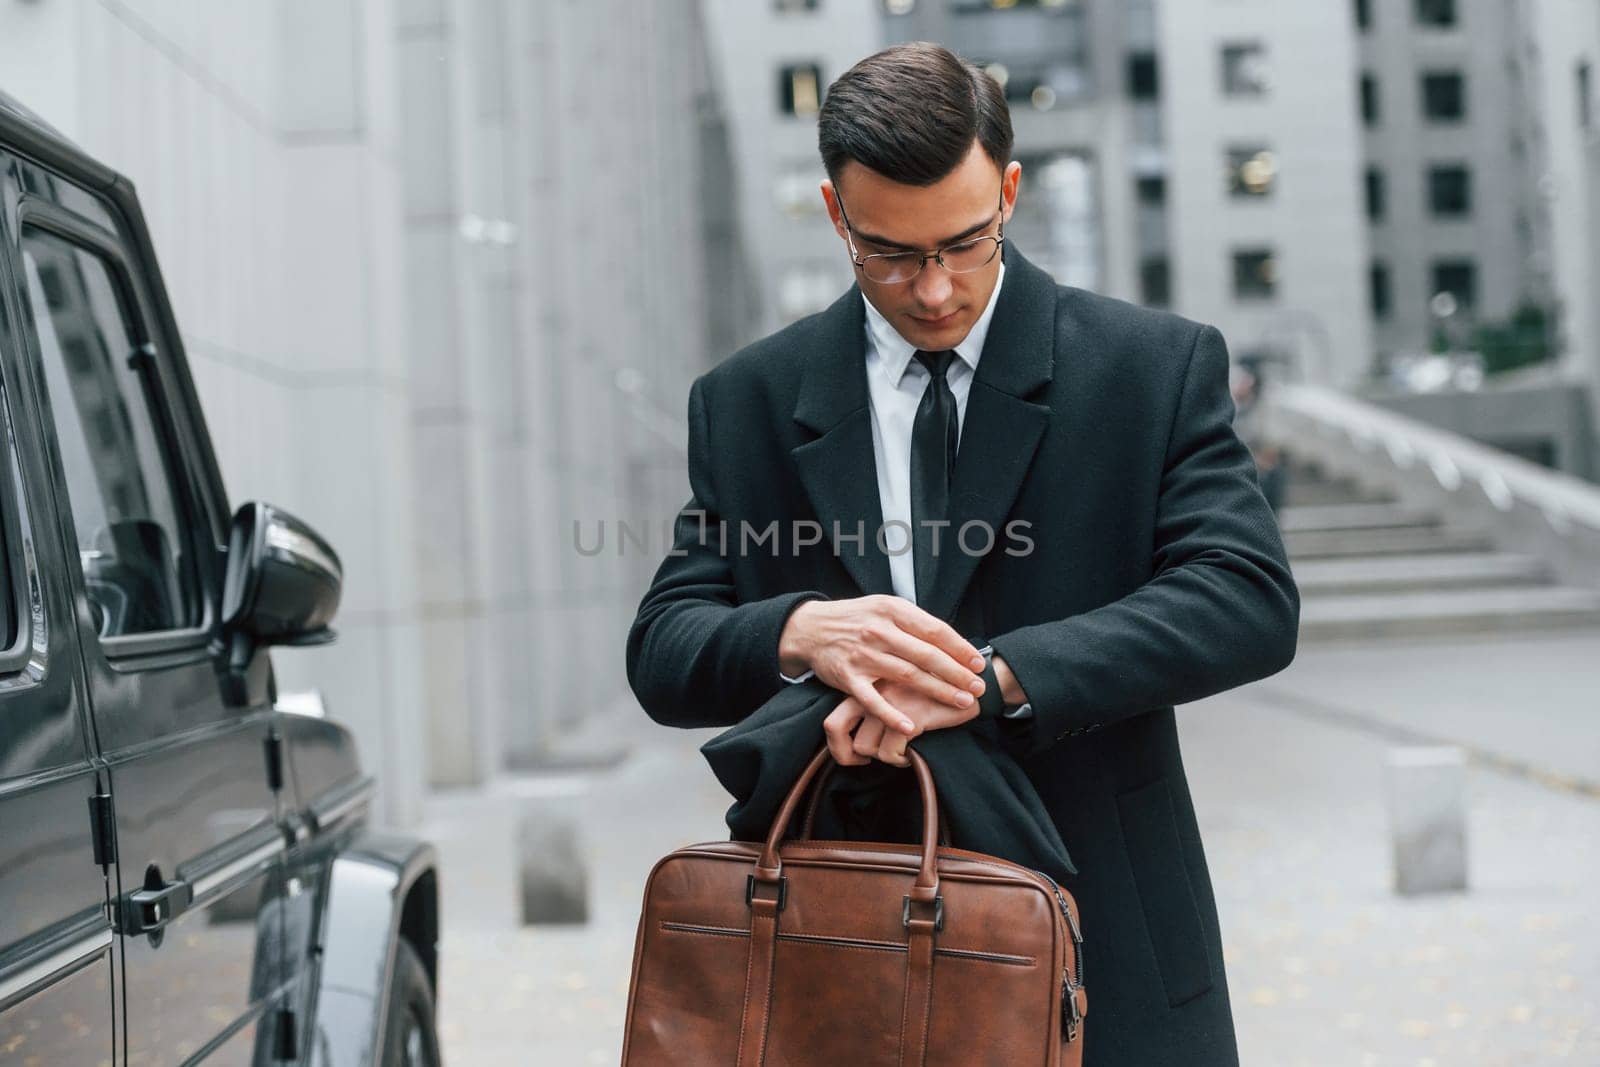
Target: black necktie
column 933, row 458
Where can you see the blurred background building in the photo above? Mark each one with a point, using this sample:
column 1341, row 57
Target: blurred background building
column 446, row 269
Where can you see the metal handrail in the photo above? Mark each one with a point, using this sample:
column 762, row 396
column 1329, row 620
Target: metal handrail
column 1519, row 504
column 1455, row 461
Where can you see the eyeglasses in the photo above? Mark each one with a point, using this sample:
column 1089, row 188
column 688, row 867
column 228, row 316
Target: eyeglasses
column 963, row 257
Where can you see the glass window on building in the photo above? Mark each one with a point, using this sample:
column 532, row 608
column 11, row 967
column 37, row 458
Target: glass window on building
column 1144, row 78
column 1252, row 170
column 1585, row 86
column 1459, row 278
column 1244, row 68
column 1449, row 190
column 972, row 7
column 1369, row 99
column 1255, row 274
column 1377, row 199
column 1155, row 281
column 1436, row 14
column 792, row 6
column 800, row 90
column 1363, row 14
column 1444, row 96
column 1382, row 295
column 1042, row 84
column 1152, row 190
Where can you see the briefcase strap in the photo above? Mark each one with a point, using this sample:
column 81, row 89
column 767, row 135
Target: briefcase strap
column 914, row 1014
column 758, row 977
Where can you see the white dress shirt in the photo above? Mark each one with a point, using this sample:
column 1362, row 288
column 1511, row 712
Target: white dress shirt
column 895, row 384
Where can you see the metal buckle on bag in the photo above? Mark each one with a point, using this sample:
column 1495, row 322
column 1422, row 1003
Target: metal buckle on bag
column 750, row 890
column 938, row 912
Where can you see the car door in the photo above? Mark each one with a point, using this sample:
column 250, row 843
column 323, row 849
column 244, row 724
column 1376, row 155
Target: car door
column 199, row 843
column 56, row 960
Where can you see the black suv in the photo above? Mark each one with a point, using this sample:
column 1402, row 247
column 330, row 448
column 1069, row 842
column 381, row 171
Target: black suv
column 186, row 871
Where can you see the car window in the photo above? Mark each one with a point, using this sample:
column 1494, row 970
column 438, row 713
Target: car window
column 21, row 605
column 24, row 606
column 137, row 567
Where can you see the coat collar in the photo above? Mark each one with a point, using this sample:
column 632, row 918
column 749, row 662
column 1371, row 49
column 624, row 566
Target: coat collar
column 999, row 435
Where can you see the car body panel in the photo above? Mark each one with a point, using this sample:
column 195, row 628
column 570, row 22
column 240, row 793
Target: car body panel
column 376, row 880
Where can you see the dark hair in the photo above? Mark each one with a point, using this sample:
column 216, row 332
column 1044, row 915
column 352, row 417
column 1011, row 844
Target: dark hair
column 910, row 113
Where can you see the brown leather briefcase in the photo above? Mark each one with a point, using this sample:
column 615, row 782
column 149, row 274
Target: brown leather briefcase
column 853, row 954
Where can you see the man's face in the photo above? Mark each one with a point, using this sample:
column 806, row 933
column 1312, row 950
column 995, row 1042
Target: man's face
column 936, row 309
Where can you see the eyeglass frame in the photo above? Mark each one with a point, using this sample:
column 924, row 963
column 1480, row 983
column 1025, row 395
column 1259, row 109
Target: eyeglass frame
column 937, row 254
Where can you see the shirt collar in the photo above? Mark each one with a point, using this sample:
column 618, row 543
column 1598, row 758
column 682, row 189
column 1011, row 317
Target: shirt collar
column 896, row 352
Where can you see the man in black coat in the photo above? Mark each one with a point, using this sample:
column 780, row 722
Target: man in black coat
column 965, row 490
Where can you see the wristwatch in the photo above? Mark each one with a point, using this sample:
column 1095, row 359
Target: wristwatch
column 993, row 703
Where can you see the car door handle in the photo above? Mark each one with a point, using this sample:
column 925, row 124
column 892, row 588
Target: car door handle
column 149, row 909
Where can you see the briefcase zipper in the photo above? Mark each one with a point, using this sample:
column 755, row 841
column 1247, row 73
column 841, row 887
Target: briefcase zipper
column 1071, row 1018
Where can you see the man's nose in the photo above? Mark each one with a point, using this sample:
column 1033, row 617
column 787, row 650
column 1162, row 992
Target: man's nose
column 932, row 286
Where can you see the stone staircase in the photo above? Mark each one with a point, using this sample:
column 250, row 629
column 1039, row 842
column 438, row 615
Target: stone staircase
column 1371, row 566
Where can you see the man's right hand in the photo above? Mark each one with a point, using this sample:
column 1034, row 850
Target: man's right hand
column 852, row 644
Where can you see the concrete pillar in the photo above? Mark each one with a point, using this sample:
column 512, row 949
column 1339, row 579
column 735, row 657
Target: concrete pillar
column 1427, row 818
column 349, row 412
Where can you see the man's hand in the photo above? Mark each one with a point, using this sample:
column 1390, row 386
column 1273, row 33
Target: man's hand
column 872, row 740
column 854, row 644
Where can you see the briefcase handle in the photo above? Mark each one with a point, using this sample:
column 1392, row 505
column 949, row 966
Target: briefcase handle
column 925, row 890
column 821, row 786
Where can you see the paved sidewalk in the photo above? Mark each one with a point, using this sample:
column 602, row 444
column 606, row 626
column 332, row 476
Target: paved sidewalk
column 1325, row 965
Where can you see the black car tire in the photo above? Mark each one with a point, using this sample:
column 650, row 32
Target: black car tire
column 410, row 1038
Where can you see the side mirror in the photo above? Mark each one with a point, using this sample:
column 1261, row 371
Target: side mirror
column 282, row 584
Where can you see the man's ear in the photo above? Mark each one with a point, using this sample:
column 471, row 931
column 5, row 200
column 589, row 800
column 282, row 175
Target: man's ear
column 1010, row 185
column 830, row 199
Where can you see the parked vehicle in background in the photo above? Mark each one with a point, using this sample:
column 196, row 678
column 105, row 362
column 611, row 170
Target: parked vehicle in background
column 187, row 872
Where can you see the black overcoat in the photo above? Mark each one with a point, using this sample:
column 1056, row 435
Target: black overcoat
column 1153, row 575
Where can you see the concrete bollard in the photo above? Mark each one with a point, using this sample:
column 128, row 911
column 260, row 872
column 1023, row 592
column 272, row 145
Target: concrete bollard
column 1427, row 818
column 552, row 876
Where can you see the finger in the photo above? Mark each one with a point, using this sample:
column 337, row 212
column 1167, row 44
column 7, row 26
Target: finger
column 873, row 702
column 869, row 738
column 919, row 623
column 892, row 749
column 836, row 728
column 929, row 669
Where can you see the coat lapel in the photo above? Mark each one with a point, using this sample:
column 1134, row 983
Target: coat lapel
column 837, row 469
column 1001, row 429
column 999, row 435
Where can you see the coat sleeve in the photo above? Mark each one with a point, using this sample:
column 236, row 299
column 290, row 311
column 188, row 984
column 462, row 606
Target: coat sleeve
column 697, row 656
column 1220, row 610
